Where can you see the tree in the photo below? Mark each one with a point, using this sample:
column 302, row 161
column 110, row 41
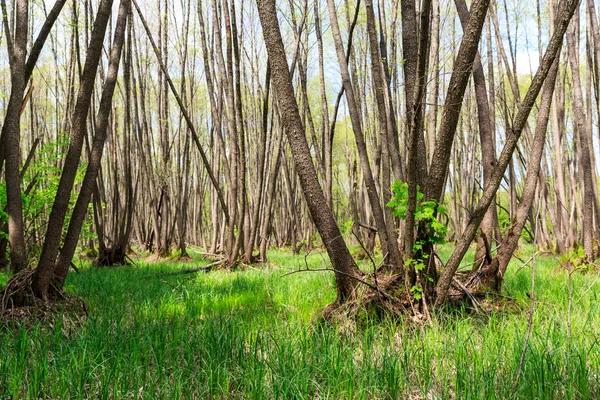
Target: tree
column 345, row 268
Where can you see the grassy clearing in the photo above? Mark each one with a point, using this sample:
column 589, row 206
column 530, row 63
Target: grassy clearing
column 249, row 334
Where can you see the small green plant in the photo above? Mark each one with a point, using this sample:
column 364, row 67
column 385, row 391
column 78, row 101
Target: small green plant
column 426, row 212
column 416, row 292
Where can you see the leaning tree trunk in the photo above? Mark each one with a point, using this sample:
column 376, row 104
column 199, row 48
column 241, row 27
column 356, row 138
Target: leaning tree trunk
column 567, row 9
column 45, row 269
column 486, row 139
column 89, row 180
column 343, row 264
column 511, row 240
column 386, row 232
column 11, row 130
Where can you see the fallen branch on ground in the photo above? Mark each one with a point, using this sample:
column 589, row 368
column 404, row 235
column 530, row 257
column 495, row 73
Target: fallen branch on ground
column 204, row 268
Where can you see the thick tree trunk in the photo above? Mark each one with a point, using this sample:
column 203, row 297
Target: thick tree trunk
column 562, row 22
column 89, row 180
column 11, row 130
column 45, row 269
column 343, row 264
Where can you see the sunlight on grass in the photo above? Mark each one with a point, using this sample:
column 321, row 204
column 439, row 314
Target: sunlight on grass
column 250, row 334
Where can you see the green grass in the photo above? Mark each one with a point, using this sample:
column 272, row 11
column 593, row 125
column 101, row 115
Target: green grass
column 250, row 334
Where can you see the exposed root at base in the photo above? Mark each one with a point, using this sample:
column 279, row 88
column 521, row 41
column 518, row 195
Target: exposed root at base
column 111, row 257
column 383, row 298
column 20, row 306
column 387, row 297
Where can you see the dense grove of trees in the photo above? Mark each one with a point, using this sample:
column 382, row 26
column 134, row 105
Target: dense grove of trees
column 236, row 125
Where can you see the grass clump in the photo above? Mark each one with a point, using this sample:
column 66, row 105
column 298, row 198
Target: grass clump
column 250, row 334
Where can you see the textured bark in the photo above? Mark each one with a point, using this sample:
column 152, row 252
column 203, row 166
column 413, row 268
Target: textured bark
column 462, row 68
column 415, row 157
column 45, row 269
column 410, row 50
column 342, row 89
column 380, row 88
column 511, row 240
column 33, row 56
column 94, row 163
column 489, row 193
column 261, row 169
column 486, row 139
column 393, row 140
column 270, row 196
column 388, row 244
column 326, row 145
column 322, row 215
column 434, row 78
column 240, row 132
column 11, row 130
column 584, row 149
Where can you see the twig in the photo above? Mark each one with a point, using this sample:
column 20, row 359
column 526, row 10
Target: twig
column 366, row 251
column 369, row 227
column 249, row 266
column 589, row 288
column 131, row 260
column 527, row 262
column 202, row 253
column 377, row 289
column 168, row 284
column 469, row 294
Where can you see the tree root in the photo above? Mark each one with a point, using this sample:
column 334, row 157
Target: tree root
column 386, row 297
column 111, row 256
column 379, row 299
column 20, row 305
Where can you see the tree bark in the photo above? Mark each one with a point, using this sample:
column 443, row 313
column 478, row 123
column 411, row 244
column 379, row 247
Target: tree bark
column 486, row 139
column 567, row 9
column 584, row 153
column 511, row 240
column 12, row 132
column 343, row 263
column 89, row 181
column 388, row 244
column 45, row 269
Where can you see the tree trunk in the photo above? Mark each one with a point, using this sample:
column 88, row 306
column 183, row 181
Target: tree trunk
column 388, row 244
column 342, row 262
column 45, row 269
column 89, row 180
column 11, row 130
column 582, row 137
column 567, row 10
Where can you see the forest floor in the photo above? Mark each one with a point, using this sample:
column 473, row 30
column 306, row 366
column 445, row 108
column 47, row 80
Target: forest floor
column 252, row 334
